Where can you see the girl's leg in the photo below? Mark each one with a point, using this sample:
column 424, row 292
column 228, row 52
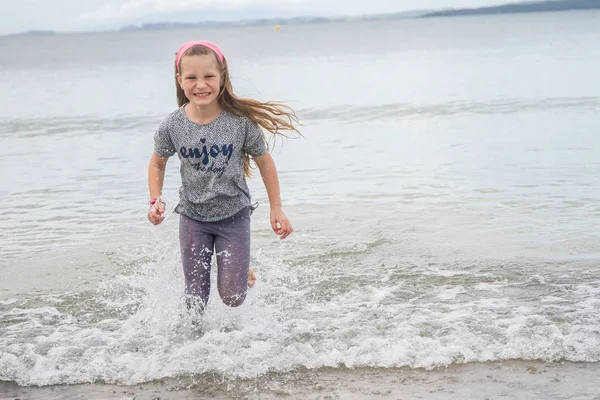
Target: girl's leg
column 251, row 278
column 196, row 253
column 232, row 246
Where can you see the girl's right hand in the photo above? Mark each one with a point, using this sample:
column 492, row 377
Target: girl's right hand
column 155, row 213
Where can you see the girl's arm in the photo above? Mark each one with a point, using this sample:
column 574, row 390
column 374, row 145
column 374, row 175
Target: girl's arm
column 156, row 177
column 279, row 222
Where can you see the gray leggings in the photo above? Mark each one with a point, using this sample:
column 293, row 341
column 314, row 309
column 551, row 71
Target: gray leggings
column 230, row 240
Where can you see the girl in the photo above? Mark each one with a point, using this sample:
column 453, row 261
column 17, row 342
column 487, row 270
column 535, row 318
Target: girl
column 214, row 134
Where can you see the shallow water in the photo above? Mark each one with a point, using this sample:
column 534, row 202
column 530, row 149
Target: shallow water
column 445, row 201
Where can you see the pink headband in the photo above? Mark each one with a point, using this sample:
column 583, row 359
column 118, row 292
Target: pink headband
column 205, row 43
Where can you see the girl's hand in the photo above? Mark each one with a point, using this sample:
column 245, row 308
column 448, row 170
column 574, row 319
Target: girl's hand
column 155, row 213
column 280, row 224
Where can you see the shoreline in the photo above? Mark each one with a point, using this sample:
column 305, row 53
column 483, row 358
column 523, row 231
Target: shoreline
column 508, row 379
column 416, row 14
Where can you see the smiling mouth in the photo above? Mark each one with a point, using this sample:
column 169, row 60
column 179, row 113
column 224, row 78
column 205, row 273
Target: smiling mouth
column 202, row 94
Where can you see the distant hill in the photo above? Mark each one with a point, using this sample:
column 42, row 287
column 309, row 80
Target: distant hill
column 271, row 21
column 34, row 33
column 529, row 7
column 543, row 6
column 187, row 20
column 254, row 22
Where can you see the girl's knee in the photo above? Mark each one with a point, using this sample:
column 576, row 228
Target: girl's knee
column 234, row 300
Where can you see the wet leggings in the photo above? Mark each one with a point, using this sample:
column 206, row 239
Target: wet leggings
column 229, row 239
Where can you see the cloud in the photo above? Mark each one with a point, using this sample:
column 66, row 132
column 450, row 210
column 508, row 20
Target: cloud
column 139, row 8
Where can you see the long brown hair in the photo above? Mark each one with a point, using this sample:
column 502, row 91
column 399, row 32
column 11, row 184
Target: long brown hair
column 273, row 117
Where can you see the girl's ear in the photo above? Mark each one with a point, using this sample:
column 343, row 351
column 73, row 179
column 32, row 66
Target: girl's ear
column 178, row 76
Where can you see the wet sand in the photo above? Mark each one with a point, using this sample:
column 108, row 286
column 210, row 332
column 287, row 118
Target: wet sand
column 498, row 380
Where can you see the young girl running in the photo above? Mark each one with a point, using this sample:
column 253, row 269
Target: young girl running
column 215, row 134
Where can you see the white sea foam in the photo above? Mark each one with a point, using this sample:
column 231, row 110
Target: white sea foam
column 147, row 334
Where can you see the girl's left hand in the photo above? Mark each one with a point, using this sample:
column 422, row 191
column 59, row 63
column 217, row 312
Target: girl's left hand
column 280, row 224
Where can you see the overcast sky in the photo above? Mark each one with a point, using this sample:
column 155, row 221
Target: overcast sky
column 75, row 15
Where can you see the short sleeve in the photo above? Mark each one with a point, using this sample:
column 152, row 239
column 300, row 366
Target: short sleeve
column 254, row 144
column 163, row 145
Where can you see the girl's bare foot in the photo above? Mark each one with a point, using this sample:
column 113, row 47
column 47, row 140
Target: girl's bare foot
column 251, row 278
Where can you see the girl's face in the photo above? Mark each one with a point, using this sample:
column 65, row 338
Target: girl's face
column 200, row 79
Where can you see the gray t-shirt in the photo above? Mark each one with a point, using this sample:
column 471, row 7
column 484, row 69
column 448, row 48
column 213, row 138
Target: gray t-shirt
column 212, row 162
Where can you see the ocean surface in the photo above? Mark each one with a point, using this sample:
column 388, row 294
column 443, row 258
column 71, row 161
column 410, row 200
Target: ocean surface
column 445, row 199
